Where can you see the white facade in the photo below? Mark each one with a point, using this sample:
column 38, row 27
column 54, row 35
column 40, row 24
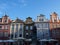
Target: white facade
column 42, row 25
column 16, row 30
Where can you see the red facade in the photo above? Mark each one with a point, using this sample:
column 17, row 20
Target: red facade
column 4, row 28
column 55, row 26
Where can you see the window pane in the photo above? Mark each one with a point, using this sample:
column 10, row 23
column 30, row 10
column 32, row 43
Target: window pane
column 20, row 35
column 5, row 20
column 40, row 19
column 16, row 27
column 0, row 20
column 11, row 36
column 6, row 27
column 6, row 34
column 1, row 34
column 16, row 35
column 38, row 25
column 21, row 26
column 31, row 27
column 26, row 27
column 26, row 33
column 12, row 26
column 0, row 27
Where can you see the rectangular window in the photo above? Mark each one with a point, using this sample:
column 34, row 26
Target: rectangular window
column 37, row 25
column 31, row 27
column 11, row 36
column 40, row 25
column 12, row 26
column 45, row 25
column 0, row 27
column 6, row 34
column 27, row 35
column 54, row 33
column 26, row 27
column 5, row 20
column 6, row 27
column 0, row 20
column 12, row 29
column 41, row 19
column 16, row 27
column 21, row 26
column 58, row 25
column 16, row 35
column 20, row 35
column 1, row 34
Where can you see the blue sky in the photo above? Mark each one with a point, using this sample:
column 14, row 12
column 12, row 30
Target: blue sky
column 24, row 8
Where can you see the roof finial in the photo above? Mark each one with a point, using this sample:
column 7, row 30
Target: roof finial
column 5, row 13
column 42, row 15
column 55, row 13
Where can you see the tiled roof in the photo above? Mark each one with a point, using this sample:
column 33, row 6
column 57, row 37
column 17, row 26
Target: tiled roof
column 54, row 13
column 29, row 18
column 18, row 21
column 42, row 15
column 5, row 15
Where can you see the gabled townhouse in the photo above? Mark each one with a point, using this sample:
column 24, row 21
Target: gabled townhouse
column 16, row 31
column 55, row 26
column 30, row 31
column 42, row 25
column 4, row 29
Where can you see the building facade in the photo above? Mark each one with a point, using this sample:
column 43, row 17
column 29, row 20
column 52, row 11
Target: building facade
column 55, row 26
column 16, row 31
column 42, row 25
column 29, row 32
column 4, row 29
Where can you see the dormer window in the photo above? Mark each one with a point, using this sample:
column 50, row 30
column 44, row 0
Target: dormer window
column 40, row 19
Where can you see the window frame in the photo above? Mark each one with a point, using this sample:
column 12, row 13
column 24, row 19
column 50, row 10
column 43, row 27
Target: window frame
column 26, row 27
